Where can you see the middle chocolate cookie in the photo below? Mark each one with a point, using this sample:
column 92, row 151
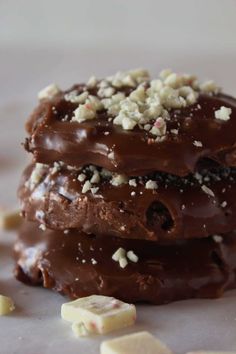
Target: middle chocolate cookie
column 158, row 207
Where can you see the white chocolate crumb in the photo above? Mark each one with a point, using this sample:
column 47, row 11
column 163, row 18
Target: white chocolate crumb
column 94, row 190
column 217, row 238
column 81, row 177
column 197, row 143
column 118, row 179
column 73, row 97
column 93, row 261
column 111, row 155
column 223, row 113
column 48, row 92
column 209, row 87
column 42, row 227
column 92, row 82
column 123, row 262
column 96, row 177
column 36, row 175
column 6, row 305
column 132, row 256
column 132, row 182
column 207, row 190
column 151, row 184
column 224, row 204
column 120, row 252
column 174, row 131
column 86, row 187
column 83, row 112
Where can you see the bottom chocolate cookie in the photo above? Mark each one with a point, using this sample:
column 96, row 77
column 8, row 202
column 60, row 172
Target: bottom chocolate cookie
column 76, row 265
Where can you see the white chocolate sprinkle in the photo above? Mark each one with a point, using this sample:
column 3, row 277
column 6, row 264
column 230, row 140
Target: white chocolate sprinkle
column 207, row 190
column 123, row 262
column 120, row 252
column 48, row 92
column 223, row 113
column 197, row 143
column 86, row 187
column 132, row 256
column 151, row 184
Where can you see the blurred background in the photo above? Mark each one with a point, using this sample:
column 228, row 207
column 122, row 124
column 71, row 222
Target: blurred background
column 67, row 41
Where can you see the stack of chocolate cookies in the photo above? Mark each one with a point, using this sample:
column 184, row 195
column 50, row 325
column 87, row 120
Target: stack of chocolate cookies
column 132, row 189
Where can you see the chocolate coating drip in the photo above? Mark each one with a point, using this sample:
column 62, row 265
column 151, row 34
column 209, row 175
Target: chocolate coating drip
column 79, row 265
column 178, row 209
column 53, row 137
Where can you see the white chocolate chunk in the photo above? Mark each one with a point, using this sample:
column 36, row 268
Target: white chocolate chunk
column 136, row 343
column 99, row 314
column 10, row 219
column 48, row 92
column 6, row 305
column 79, row 329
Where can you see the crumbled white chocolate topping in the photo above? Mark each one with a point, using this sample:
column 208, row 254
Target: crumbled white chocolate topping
column 132, row 182
column 121, row 256
column 207, row 190
column 151, row 184
column 48, row 92
column 209, row 87
column 81, row 177
column 83, row 112
column 36, row 176
column 120, row 252
column 42, row 227
column 147, row 104
column 132, row 256
column 73, row 97
column 118, row 179
column 224, row 204
column 223, row 113
column 86, row 187
column 217, row 238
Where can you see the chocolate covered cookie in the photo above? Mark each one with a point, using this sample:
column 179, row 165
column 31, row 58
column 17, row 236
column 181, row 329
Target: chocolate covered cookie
column 157, row 207
column 78, row 265
column 131, row 124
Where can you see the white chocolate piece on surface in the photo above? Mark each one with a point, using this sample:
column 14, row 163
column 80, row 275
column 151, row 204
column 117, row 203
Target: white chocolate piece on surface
column 136, row 343
column 10, row 219
column 99, row 314
column 6, row 305
column 79, row 329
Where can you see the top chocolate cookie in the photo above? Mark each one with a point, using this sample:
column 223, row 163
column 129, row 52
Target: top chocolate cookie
column 131, row 124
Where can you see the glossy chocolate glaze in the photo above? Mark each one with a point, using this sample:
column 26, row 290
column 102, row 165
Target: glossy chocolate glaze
column 178, row 209
column 53, row 137
column 182, row 270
